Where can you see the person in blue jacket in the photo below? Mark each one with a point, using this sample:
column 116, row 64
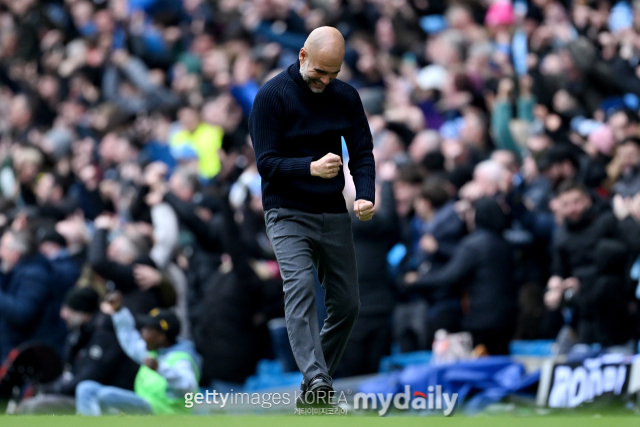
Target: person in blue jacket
column 27, row 309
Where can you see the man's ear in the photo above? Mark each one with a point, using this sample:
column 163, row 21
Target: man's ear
column 302, row 55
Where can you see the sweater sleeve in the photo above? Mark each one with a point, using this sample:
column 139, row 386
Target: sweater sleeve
column 266, row 134
column 360, row 145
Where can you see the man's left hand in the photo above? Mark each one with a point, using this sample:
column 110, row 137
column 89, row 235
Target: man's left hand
column 363, row 209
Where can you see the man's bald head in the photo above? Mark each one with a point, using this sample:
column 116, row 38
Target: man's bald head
column 321, row 57
column 327, row 39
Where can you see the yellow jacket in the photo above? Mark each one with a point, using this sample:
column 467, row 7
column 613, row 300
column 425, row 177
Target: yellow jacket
column 206, row 140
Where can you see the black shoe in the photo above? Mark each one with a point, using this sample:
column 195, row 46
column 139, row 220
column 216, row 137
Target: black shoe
column 318, row 393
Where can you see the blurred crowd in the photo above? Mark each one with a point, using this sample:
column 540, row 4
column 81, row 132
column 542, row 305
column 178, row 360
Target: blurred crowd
column 507, row 147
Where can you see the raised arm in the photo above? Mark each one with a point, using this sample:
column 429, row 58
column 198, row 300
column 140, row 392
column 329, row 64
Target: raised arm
column 451, row 275
column 128, row 336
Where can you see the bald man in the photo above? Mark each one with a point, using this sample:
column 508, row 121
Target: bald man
column 297, row 122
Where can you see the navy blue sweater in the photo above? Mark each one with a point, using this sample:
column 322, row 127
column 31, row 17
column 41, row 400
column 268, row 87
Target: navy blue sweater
column 291, row 126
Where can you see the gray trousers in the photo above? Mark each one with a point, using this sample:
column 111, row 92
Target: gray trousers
column 301, row 241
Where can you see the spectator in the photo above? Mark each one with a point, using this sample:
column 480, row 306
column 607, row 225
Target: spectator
column 231, row 328
column 437, row 227
column 371, row 337
column 481, row 266
column 586, row 222
column 28, row 310
column 628, row 160
column 141, row 91
column 116, row 262
column 92, row 352
column 169, row 368
column 66, row 271
column 50, row 192
column 204, row 139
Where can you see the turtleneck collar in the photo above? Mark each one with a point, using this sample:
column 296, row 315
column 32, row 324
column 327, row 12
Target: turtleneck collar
column 294, row 73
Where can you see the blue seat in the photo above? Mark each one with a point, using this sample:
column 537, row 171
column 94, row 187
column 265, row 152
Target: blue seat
column 539, row 348
column 400, row 361
column 269, row 374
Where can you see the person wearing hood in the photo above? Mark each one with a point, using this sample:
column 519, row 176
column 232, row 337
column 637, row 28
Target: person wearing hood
column 480, row 273
column 169, row 368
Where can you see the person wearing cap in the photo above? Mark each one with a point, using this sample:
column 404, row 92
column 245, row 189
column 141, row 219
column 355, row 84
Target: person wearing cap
column 169, row 367
column 92, row 352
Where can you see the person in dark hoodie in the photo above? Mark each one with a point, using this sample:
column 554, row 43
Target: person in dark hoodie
column 480, row 272
column 92, row 352
column 27, row 310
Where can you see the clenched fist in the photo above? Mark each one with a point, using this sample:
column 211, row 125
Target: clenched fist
column 327, row 167
column 363, row 209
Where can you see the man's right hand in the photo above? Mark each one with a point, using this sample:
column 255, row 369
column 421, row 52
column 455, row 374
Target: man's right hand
column 327, row 167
